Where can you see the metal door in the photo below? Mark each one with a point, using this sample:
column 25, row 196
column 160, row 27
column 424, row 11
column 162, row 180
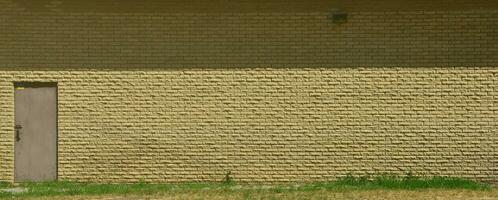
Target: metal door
column 35, row 132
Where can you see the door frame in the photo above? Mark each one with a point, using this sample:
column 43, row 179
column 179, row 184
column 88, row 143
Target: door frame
column 36, row 84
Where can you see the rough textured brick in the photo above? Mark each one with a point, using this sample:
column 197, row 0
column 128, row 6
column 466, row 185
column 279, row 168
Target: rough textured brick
column 267, row 124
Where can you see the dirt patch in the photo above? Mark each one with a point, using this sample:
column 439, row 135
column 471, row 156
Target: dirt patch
column 319, row 194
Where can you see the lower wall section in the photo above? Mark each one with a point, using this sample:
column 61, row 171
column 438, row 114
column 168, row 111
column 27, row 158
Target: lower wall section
column 266, row 124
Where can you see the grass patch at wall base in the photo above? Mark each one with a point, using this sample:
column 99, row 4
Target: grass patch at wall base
column 63, row 188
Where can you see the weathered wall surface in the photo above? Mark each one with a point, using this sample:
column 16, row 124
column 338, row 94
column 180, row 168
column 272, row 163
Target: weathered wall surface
column 273, row 91
column 267, row 124
column 277, row 33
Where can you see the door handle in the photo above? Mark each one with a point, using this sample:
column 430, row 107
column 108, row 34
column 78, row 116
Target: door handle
column 18, row 132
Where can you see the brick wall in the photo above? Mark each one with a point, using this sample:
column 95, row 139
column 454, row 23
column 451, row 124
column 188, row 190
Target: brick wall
column 267, row 124
column 404, row 34
column 272, row 91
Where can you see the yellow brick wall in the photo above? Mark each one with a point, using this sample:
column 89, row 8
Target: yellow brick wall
column 265, row 124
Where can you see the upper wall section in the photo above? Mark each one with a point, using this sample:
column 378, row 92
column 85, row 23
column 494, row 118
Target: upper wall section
column 247, row 6
column 247, row 33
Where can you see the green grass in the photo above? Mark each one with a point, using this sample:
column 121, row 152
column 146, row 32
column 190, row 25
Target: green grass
column 404, row 183
column 63, row 188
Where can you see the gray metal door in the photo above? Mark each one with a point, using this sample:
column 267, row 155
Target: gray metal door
column 35, row 132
